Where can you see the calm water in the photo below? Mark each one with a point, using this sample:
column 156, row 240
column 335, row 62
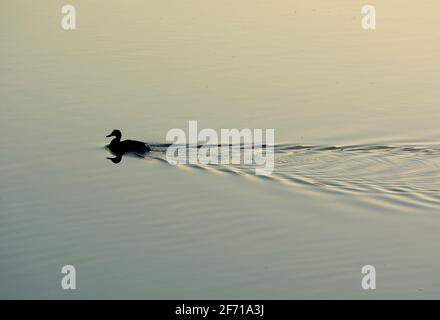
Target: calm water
column 357, row 162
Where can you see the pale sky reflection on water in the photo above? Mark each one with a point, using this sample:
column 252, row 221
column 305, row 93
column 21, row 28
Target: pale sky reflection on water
column 145, row 229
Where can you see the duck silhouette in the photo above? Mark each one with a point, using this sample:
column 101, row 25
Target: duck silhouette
column 119, row 148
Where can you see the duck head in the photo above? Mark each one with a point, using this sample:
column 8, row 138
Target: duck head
column 115, row 133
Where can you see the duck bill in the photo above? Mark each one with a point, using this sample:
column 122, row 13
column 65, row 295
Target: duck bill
column 108, row 136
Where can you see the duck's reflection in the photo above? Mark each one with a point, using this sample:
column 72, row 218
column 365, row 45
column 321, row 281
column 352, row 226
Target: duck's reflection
column 118, row 156
column 115, row 159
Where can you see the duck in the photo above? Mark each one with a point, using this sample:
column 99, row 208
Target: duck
column 119, row 147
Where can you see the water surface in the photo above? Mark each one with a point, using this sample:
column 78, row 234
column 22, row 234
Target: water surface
column 357, row 171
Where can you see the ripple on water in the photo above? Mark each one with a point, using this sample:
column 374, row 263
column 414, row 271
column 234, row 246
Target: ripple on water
column 403, row 176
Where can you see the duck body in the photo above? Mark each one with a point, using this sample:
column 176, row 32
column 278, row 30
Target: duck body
column 126, row 146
